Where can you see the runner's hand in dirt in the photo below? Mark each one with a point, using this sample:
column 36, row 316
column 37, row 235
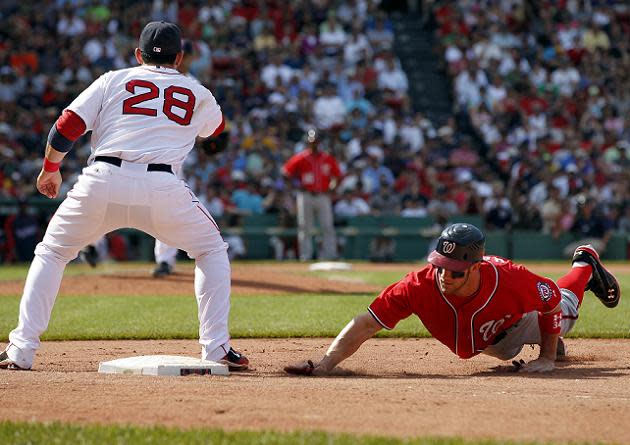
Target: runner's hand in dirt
column 305, row 368
column 541, row 364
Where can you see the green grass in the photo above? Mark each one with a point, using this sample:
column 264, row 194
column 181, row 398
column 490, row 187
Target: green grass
column 163, row 317
column 56, row 433
column 91, row 318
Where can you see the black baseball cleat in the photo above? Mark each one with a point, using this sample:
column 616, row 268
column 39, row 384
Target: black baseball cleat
column 163, row 269
column 235, row 361
column 603, row 284
column 89, row 255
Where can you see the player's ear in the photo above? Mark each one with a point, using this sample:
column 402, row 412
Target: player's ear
column 178, row 59
column 138, row 55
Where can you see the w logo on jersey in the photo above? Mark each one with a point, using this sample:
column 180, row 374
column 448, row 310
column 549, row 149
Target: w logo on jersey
column 490, row 328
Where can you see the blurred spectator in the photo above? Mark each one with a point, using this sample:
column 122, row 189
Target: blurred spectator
column 551, row 213
column 442, row 206
column 350, row 204
column 591, row 226
column 384, row 201
column 328, row 109
column 22, row 232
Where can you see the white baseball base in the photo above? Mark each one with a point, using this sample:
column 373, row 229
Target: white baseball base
column 172, row 365
column 327, row 266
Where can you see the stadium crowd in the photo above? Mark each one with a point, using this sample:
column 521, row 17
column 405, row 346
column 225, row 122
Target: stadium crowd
column 542, row 85
column 545, row 87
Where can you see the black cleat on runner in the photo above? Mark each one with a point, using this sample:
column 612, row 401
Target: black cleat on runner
column 603, row 284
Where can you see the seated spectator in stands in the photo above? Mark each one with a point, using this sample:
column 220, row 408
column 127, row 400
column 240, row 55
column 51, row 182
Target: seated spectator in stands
column 328, row 109
column 212, row 202
column 465, row 195
column 376, row 176
column 385, row 201
column 624, row 227
column 266, row 40
column 360, row 103
column 565, row 78
column 551, row 212
column 442, row 206
column 350, row 204
column 591, row 226
column 246, row 198
column 276, row 72
column 414, row 208
column 595, row 38
column 393, row 80
column 357, row 47
column 499, row 215
column 380, row 33
column 23, row 229
column 332, row 36
column 411, row 134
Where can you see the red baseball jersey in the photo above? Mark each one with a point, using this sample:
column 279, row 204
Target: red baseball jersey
column 315, row 170
column 467, row 325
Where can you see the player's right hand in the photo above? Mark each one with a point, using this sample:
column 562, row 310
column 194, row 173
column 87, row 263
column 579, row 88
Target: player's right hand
column 302, row 368
column 48, row 183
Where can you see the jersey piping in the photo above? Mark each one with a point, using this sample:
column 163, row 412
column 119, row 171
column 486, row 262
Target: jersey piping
column 472, row 319
column 452, row 308
column 378, row 320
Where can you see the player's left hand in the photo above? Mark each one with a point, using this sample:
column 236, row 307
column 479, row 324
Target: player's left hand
column 48, row 183
column 541, row 364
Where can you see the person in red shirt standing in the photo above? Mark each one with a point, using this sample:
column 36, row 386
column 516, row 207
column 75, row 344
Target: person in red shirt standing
column 318, row 173
column 479, row 304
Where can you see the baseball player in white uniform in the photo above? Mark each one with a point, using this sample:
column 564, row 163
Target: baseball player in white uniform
column 165, row 255
column 144, row 121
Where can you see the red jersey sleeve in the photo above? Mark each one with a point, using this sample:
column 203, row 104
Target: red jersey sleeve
column 291, row 167
column 392, row 305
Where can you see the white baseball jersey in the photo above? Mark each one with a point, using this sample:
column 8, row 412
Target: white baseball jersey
column 121, row 105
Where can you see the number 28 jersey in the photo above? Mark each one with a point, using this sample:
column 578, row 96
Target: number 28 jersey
column 147, row 114
column 467, row 325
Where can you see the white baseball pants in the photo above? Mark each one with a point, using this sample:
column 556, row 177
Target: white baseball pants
column 165, row 253
column 527, row 331
column 106, row 198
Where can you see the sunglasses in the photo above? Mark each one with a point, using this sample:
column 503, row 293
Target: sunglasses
column 453, row 274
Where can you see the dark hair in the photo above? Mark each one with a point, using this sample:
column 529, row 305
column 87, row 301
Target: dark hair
column 155, row 59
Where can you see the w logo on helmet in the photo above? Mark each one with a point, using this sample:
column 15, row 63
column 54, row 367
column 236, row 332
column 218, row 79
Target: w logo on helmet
column 448, row 247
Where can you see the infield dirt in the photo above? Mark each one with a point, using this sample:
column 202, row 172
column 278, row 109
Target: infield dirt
column 390, row 387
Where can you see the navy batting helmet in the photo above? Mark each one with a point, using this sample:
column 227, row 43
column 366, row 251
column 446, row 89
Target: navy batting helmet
column 459, row 247
column 312, row 135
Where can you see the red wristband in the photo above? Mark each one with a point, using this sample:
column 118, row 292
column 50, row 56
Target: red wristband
column 51, row 167
column 550, row 323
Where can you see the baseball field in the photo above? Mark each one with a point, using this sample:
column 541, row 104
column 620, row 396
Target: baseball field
column 402, row 387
